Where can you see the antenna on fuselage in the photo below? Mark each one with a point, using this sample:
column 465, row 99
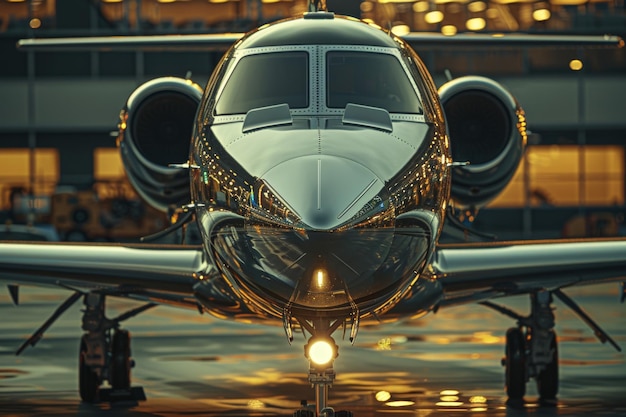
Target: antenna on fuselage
column 317, row 6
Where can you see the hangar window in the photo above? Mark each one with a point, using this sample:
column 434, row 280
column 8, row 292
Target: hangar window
column 369, row 79
column 567, row 175
column 265, row 80
column 24, row 171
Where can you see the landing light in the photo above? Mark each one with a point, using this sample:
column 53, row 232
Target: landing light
column 321, row 351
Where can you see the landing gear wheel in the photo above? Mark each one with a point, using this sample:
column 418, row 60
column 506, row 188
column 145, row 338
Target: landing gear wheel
column 120, row 360
column 515, row 365
column 88, row 380
column 548, row 379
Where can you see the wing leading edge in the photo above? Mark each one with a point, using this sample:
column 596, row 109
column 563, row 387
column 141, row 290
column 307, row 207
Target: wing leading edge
column 476, row 272
column 160, row 273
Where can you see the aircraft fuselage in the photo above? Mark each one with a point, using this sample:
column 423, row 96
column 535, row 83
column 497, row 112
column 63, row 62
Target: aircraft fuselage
column 320, row 169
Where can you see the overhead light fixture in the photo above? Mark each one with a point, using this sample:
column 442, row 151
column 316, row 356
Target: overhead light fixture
column 401, row 30
column 541, row 12
column 575, row 65
column 421, row 6
column 477, row 6
column 475, row 23
column 433, row 17
column 449, row 30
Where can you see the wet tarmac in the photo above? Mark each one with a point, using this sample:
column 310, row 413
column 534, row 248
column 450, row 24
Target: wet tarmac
column 193, row 365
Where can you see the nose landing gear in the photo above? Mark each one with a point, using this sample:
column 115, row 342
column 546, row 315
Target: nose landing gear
column 321, row 351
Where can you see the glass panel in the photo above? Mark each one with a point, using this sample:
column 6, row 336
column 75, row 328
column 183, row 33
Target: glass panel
column 265, row 80
column 568, row 175
column 513, row 194
column 110, row 178
column 107, row 164
column 15, row 177
column 604, row 174
column 376, row 80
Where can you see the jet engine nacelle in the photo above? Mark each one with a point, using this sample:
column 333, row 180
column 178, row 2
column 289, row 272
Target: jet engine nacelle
column 155, row 131
column 487, row 128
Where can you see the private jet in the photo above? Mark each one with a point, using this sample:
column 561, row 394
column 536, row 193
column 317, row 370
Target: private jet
column 321, row 166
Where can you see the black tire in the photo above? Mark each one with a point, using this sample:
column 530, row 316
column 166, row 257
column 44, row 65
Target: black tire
column 88, row 380
column 515, row 364
column 548, row 379
column 120, row 360
column 304, row 413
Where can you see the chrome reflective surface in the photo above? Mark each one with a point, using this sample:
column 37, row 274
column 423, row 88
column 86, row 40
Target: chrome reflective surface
column 321, row 211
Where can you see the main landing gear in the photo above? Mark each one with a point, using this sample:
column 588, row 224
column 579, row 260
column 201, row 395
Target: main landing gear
column 104, row 354
column 531, row 349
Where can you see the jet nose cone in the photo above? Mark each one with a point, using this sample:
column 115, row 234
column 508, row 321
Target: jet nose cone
column 324, row 191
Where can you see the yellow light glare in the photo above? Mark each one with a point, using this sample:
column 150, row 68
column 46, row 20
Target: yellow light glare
column 256, row 404
column 400, row 30
column 477, row 6
column 449, row 403
column 35, row 23
column 433, row 17
column 449, row 30
column 401, row 403
column 449, row 392
column 478, row 399
column 475, row 23
column 383, row 396
column 541, row 15
column 321, row 352
column 320, row 281
column 421, row 6
column 367, row 6
column 575, row 65
column 449, row 398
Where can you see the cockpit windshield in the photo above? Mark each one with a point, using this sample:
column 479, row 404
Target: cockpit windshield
column 264, row 80
column 369, row 79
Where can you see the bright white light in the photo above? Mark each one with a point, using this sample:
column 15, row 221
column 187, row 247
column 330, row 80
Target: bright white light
column 321, row 352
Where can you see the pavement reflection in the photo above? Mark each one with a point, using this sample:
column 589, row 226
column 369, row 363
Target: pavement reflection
column 442, row 365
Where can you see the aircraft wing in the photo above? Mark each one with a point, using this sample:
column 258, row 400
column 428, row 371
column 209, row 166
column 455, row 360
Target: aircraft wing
column 202, row 42
column 221, row 41
column 435, row 39
column 480, row 271
column 158, row 273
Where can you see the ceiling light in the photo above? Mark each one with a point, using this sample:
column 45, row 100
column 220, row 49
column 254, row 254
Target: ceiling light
column 475, row 23
column 433, row 17
column 449, row 30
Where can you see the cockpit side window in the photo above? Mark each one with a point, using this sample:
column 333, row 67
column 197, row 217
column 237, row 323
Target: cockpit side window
column 369, row 79
column 265, row 80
